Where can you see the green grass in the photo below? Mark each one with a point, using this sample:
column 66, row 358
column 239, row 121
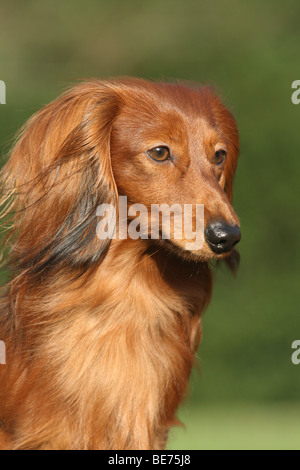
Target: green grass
column 238, row 427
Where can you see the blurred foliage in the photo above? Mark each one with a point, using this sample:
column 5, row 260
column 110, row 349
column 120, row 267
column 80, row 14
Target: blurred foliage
column 250, row 52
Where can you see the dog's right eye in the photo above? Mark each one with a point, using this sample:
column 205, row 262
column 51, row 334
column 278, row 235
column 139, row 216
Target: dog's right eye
column 160, row 154
column 219, row 157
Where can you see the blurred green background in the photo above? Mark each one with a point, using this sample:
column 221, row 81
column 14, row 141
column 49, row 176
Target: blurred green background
column 247, row 395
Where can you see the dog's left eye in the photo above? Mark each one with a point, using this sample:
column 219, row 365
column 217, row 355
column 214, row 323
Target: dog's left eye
column 159, row 154
column 219, row 157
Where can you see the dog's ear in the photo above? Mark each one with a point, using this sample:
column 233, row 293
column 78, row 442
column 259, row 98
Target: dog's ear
column 227, row 125
column 58, row 174
column 233, row 152
column 229, row 130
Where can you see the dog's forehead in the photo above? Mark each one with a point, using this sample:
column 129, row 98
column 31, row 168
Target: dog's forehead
column 169, row 107
column 168, row 114
column 191, row 101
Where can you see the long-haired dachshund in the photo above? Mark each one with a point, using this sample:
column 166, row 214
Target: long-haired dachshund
column 100, row 333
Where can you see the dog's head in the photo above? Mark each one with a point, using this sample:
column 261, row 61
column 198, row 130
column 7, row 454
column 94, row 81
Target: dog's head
column 155, row 143
column 177, row 146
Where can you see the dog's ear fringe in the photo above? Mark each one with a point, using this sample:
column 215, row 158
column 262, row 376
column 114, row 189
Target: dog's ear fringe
column 62, row 157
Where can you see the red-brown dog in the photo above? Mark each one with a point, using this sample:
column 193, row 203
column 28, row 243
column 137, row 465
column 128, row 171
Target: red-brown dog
column 100, row 335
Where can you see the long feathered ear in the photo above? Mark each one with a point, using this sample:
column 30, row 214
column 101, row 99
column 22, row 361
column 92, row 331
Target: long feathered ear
column 227, row 125
column 58, row 173
column 229, row 132
column 230, row 129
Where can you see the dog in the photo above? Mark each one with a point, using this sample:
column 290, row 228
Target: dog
column 101, row 333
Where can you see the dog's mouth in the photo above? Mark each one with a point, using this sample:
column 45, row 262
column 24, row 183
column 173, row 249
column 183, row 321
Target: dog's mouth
column 210, row 251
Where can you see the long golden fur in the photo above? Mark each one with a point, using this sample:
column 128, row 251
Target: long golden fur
column 101, row 334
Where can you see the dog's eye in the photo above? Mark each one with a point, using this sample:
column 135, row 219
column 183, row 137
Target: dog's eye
column 219, row 157
column 159, row 154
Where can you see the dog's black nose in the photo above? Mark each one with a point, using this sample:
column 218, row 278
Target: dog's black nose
column 222, row 237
